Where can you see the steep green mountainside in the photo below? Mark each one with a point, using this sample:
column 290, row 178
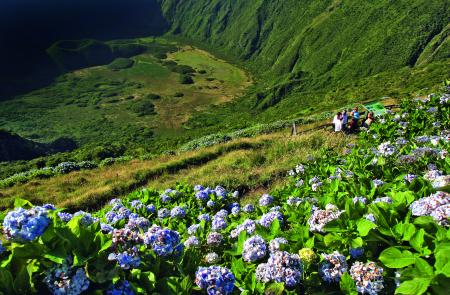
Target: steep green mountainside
column 336, row 39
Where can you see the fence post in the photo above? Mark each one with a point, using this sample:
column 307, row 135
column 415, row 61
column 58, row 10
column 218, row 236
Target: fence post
column 294, row 129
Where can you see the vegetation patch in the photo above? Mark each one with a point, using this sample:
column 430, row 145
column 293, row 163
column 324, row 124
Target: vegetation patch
column 121, row 63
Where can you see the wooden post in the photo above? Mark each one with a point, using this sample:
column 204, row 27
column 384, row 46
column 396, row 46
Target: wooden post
column 294, row 129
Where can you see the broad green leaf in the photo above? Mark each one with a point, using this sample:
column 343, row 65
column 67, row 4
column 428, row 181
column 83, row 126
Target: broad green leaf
column 18, row 202
column 347, row 285
column 408, row 231
column 442, row 256
column 6, row 281
column 423, row 269
column 417, row 240
column 394, row 258
column 364, row 226
column 415, row 286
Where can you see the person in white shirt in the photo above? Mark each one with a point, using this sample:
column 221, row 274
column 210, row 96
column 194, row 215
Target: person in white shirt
column 337, row 122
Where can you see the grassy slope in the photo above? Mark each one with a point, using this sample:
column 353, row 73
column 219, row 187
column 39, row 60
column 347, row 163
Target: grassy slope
column 247, row 164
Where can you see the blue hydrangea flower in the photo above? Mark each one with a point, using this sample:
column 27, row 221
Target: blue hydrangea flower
column 122, row 288
column 214, row 239
column 267, row 219
column 127, row 259
column 248, row 225
column 221, row 214
column 356, row 253
column 202, row 195
column 150, row 208
column 265, row 200
column 235, row 194
column 66, row 217
column 255, row 248
column 219, row 223
column 106, row 228
column 64, row 279
column 86, row 218
column 276, row 244
column 177, row 212
column 137, row 223
column 212, row 257
column 136, row 204
column 210, row 204
column 282, row 267
column 164, row 242
column 25, row 225
column 49, row 207
column 215, row 280
column 368, row 277
column 204, row 216
column 163, row 213
column 333, row 267
column 220, row 192
column 2, row 249
column 249, row 208
column 198, row 187
column 192, row 242
column 235, row 211
column 193, row 229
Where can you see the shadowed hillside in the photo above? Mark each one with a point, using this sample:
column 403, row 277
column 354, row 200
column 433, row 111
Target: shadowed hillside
column 29, row 27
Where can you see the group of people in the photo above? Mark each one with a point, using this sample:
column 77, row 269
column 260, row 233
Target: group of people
column 348, row 122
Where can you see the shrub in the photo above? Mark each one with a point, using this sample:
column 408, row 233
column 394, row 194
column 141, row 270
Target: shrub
column 121, row 63
column 186, row 79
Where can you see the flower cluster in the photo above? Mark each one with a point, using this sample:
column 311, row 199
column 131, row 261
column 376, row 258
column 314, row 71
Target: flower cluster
column 254, row 249
column 248, row 225
column 320, row 218
column 25, row 225
column 124, row 248
column 164, row 242
column 64, row 279
column 282, row 267
column 265, row 200
column 276, row 244
column 192, row 242
column 267, row 219
column 212, row 258
column 215, row 280
column 249, row 208
column 214, row 239
column 332, row 267
column 177, row 212
column 307, row 255
column 121, row 288
column 437, row 205
column 368, row 277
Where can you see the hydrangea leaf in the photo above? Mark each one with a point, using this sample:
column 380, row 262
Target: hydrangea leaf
column 364, row 226
column 415, row 286
column 347, row 284
column 394, row 258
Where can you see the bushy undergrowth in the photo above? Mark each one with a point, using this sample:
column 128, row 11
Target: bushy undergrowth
column 372, row 221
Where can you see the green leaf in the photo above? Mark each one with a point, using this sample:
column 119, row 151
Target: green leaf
column 417, row 240
column 394, row 258
column 415, row 286
column 18, row 202
column 364, row 226
column 6, row 281
column 275, row 289
column 358, row 242
column 347, row 284
column 423, row 269
column 408, row 231
column 442, row 256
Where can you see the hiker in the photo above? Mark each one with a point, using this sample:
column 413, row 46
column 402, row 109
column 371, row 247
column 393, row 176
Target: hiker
column 337, row 122
column 344, row 120
column 355, row 119
column 369, row 120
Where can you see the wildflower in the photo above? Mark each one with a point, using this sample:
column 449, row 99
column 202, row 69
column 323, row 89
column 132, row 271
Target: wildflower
column 368, row 277
column 386, row 149
column 66, row 217
column 163, row 213
column 122, row 288
column 293, row 201
column 307, row 255
column 193, row 229
column 356, row 252
column 401, row 141
column 436, row 205
column 276, row 244
column 383, row 200
column 265, row 200
column 299, row 183
column 192, row 242
column 215, row 280
column 25, row 225
column 210, row 204
column 65, row 279
column 164, row 242
column 150, row 208
column 249, row 208
column 362, row 200
column 204, row 216
column 254, row 249
column 177, row 212
column 299, row 169
column 127, row 259
column 212, row 258
column 282, row 267
column 214, row 239
column 267, row 219
column 378, row 182
column 370, row 217
column 409, row 178
column 219, row 223
column 248, row 225
column 320, row 218
column 333, row 267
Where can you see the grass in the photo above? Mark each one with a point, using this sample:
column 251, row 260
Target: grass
column 248, row 164
column 92, row 105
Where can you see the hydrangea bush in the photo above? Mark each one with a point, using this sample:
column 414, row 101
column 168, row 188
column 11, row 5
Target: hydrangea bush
column 371, row 220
